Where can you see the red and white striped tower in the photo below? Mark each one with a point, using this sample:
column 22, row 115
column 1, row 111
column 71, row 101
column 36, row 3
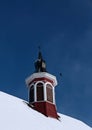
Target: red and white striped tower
column 41, row 86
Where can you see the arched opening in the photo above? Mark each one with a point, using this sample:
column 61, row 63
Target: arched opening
column 31, row 94
column 40, row 91
column 49, row 91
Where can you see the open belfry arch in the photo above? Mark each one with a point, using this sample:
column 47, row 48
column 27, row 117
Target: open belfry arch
column 41, row 85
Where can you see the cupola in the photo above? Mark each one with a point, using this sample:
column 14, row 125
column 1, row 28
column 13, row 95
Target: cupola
column 41, row 89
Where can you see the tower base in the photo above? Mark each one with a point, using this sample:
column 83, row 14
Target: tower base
column 46, row 108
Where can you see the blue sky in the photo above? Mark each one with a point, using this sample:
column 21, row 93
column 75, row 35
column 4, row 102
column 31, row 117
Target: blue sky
column 63, row 29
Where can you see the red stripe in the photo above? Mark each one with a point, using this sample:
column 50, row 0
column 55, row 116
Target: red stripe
column 41, row 79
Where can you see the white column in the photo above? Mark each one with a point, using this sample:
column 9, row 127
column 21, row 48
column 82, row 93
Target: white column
column 35, row 94
column 45, row 94
column 53, row 95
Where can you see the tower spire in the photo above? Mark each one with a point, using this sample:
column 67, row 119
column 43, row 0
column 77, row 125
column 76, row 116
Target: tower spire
column 40, row 65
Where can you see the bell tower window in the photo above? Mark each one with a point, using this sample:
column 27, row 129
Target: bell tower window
column 31, row 94
column 40, row 92
column 49, row 91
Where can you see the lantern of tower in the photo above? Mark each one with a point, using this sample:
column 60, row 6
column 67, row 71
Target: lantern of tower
column 41, row 89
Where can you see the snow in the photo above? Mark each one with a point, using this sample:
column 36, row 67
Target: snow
column 15, row 114
column 41, row 75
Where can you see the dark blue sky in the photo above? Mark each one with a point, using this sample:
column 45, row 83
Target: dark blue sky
column 63, row 29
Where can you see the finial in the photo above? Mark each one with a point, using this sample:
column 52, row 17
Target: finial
column 39, row 54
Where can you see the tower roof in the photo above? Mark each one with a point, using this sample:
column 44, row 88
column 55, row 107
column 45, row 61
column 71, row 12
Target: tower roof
column 40, row 64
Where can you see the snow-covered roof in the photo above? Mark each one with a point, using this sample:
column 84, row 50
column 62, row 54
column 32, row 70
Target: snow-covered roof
column 41, row 75
column 15, row 114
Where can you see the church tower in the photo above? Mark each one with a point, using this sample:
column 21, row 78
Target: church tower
column 41, row 89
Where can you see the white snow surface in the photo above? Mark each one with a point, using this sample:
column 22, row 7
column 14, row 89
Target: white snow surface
column 15, row 114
